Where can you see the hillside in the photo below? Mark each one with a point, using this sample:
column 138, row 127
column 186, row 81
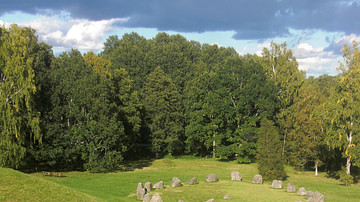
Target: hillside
column 17, row 186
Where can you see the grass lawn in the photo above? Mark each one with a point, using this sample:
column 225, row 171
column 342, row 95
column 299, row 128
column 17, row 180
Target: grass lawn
column 17, row 186
column 121, row 186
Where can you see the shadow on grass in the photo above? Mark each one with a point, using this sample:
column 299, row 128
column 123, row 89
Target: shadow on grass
column 132, row 165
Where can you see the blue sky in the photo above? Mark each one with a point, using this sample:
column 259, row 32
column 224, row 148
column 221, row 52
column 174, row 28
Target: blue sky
column 315, row 30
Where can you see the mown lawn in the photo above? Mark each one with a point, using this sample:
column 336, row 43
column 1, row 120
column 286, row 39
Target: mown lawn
column 121, row 186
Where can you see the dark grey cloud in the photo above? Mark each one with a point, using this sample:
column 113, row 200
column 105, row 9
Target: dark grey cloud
column 250, row 19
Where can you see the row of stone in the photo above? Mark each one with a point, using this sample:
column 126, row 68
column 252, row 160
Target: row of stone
column 311, row 196
column 142, row 192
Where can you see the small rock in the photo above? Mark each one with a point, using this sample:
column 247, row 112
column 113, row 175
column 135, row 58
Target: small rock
column 302, row 191
column 227, row 196
column 156, row 198
column 192, row 181
column 140, row 192
column 291, row 188
column 175, row 182
column 211, row 200
column 147, row 197
column 211, row 178
column 277, row 184
column 181, row 201
column 257, row 179
column 235, row 175
column 159, row 185
column 147, row 187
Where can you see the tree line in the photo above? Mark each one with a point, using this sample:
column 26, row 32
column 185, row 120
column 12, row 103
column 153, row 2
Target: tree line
column 145, row 98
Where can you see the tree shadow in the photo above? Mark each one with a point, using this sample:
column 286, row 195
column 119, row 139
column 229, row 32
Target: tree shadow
column 132, row 165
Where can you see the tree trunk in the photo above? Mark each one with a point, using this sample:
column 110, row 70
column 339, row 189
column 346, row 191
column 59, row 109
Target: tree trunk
column 283, row 150
column 348, row 165
column 316, row 168
column 214, row 145
column 348, row 159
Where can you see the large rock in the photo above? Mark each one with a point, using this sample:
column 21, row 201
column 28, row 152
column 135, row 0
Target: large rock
column 302, row 191
column 277, row 184
column 235, row 175
column 291, row 188
column 159, row 185
column 147, row 197
column 148, row 187
column 140, row 192
column 175, row 182
column 156, row 198
column 317, row 197
column 210, row 200
column 192, row 181
column 211, row 178
column 257, row 179
column 309, row 194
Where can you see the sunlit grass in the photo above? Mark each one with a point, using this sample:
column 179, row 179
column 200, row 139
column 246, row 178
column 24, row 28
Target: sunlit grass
column 17, row 186
column 121, row 186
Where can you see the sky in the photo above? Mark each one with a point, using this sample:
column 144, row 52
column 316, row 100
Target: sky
column 315, row 30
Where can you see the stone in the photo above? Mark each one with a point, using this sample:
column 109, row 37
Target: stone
column 210, row 200
column 257, row 179
column 156, row 198
column 159, row 185
column 211, row 178
column 302, row 191
column 317, row 197
column 181, row 201
column 309, row 194
column 175, row 182
column 235, row 175
column 277, row 184
column 148, row 187
column 291, row 188
column 140, row 192
column 192, row 181
column 227, row 196
column 147, row 197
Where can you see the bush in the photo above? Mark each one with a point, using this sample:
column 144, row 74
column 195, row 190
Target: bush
column 345, row 178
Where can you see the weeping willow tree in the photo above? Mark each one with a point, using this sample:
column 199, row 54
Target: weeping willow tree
column 19, row 124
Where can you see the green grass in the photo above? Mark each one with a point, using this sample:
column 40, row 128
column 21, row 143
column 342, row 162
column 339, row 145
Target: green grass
column 121, row 186
column 17, row 186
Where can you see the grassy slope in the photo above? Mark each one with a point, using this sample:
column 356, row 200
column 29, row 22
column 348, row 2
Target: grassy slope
column 17, row 186
column 121, row 186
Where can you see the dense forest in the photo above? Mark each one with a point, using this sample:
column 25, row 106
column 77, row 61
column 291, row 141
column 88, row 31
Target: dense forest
column 146, row 98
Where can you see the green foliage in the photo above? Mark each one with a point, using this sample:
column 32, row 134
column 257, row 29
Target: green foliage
column 162, row 104
column 345, row 108
column 270, row 162
column 224, row 106
column 305, row 144
column 345, row 179
column 96, row 115
column 19, row 124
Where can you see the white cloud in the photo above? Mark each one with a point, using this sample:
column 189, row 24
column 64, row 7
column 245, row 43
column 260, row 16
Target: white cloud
column 315, row 60
column 260, row 47
column 66, row 33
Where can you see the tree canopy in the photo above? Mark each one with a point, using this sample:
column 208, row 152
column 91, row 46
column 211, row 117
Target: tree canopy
column 144, row 98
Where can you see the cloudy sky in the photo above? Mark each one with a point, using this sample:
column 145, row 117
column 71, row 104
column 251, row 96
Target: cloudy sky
column 314, row 29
